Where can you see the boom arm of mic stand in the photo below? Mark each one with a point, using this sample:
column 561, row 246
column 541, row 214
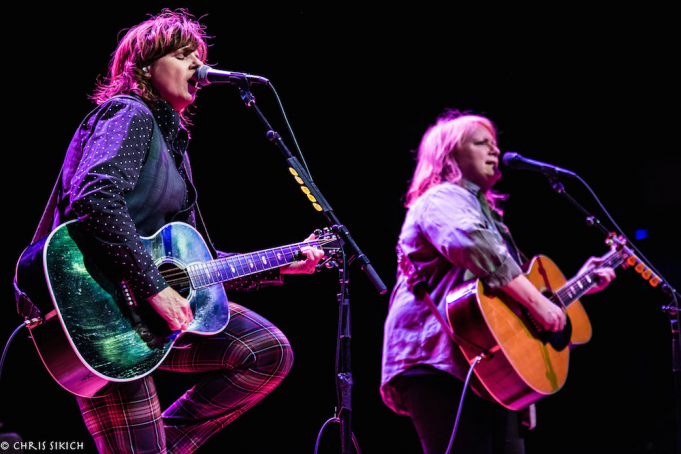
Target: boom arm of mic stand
column 560, row 189
column 317, row 199
column 322, row 205
column 671, row 310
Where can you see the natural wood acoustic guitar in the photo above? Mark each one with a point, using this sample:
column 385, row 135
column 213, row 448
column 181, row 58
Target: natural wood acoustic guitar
column 524, row 362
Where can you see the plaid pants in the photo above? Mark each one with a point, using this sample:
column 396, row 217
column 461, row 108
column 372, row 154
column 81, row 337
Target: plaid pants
column 248, row 359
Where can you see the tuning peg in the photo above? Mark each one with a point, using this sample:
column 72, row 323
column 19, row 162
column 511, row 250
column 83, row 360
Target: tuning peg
column 317, row 233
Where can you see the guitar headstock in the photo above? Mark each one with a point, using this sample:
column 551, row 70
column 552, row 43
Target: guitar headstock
column 332, row 246
column 619, row 243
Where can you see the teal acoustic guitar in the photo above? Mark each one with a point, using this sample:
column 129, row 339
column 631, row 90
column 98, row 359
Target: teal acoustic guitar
column 92, row 334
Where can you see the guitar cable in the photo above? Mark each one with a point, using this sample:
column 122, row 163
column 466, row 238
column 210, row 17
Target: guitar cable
column 336, row 419
column 476, row 360
column 9, row 341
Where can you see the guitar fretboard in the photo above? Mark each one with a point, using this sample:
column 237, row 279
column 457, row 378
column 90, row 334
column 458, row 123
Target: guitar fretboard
column 576, row 287
column 236, row 266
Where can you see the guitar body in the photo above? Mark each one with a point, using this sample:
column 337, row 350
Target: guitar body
column 524, row 367
column 90, row 335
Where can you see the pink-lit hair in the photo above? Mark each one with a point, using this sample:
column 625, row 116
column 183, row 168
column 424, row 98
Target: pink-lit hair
column 435, row 159
column 142, row 45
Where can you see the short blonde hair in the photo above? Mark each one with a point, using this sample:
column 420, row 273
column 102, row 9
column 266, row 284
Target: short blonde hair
column 435, row 159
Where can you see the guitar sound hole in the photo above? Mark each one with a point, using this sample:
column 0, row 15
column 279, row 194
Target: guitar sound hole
column 158, row 328
column 176, row 277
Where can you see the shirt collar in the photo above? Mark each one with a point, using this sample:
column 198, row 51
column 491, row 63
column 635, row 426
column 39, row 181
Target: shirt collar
column 168, row 120
column 479, row 194
column 471, row 187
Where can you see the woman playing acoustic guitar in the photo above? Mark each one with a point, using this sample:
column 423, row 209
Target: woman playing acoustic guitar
column 453, row 232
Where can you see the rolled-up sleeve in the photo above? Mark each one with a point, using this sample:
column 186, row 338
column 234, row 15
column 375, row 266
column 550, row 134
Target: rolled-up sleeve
column 452, row 221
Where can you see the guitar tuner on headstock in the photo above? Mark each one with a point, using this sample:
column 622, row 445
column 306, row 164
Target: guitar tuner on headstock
column 640, row 267
column 330, row 242
column 326, row 264
column 330, row 260
column 326, row 233
column 615, row 241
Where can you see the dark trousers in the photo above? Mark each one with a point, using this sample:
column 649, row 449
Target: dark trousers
column 484, row 427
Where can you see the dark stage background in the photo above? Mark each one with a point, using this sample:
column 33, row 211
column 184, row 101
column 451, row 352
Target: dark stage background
column 591, row 91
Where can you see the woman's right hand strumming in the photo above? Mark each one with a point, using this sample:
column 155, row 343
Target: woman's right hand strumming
column 548, row 315
column 173, row 308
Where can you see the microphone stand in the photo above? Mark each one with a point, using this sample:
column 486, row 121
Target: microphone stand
column 557, row 186
column 671, row 310
column 344, row 374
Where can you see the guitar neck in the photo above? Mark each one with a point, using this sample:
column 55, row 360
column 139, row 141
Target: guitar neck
column 577, row 287
column 236, row 266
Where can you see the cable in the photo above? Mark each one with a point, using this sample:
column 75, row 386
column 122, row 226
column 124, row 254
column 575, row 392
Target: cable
column 319, row 435
column 6, row 349
column 463, row 395
column 290, row 130
column 339, row 329
column 336, row 418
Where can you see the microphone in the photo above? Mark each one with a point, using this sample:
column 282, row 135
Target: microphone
column 206, row 75
column 515, row 161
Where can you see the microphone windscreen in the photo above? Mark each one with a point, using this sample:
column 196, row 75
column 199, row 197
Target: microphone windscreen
column 509, row 157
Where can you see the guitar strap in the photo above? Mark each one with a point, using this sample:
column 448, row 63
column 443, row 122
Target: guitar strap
column 418, row 285
column 25, row 306
column 48, row 214
column 417, row 282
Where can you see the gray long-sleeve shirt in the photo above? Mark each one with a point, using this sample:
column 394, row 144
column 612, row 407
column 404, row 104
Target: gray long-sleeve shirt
column 451, row 235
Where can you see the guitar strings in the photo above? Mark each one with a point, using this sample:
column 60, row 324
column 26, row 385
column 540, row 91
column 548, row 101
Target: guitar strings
column 563, row 293
column 180, row 276
column 182, row 271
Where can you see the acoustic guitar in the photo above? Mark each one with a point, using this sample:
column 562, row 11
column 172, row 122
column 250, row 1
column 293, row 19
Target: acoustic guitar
column 91, row 333
column 524, row 362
